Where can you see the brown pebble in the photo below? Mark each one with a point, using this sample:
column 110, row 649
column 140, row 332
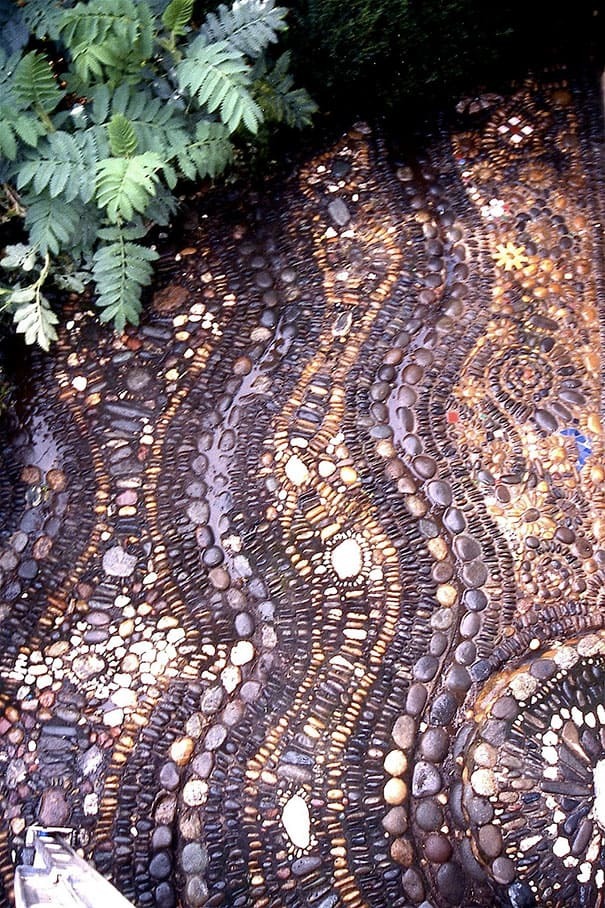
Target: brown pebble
column 437, row 848
column 219, row 578
column 172, row 297
column 41, row 548
column 55, row 479
column 31, row 475
column 402, row 852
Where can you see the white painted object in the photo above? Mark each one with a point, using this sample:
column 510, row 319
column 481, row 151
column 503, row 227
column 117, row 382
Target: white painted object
column 297, row 822
column 296, row 471
column 347, row 559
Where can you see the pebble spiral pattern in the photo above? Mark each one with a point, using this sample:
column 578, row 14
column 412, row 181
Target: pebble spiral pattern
column 302, row 580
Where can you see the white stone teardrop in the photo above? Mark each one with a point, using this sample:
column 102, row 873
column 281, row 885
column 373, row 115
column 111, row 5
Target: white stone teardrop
column 296, row 471
column 297, row 822
column 347, row 559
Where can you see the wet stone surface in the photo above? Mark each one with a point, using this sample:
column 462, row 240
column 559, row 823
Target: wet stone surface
column 301, row 582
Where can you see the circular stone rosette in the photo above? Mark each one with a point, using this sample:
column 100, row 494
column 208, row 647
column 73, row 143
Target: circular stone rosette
column 534, row 777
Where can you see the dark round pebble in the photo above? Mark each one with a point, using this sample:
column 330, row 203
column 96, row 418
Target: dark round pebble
column 450, row 880
column 437, row 848
column 434, row 744
column 160, row 865
column 429, row 815
column 426, row 780
column 443, row 709
column 426, row 668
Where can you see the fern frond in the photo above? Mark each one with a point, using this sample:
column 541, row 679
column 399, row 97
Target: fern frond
column 36, row 320
column 115, row 60
column 248, row 25
column 100, row 96
column 19, row 257
column 109, row 38
column 177, row 15
column 64, row 164
column 34, row 84
column 158, row 127
column 125, row 185
column 92, row 23
column 217, row 76
column 162, row 206
column 209, row 154
column 279, row 102
column 42, row 18
column 52, row 223
column 122, row 137
column 18, row 126
column 120, row 270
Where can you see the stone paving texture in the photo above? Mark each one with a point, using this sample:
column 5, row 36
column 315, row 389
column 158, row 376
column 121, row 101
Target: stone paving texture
column 303, row 580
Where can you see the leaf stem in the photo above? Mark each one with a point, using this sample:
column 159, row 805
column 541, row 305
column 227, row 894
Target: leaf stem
column 50, row 126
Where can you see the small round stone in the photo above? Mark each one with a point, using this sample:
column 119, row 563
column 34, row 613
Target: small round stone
column 395, row 791
column 503, row 870
column 194, row 858
column 437, row 848
column 426, row 780
column 160, row 865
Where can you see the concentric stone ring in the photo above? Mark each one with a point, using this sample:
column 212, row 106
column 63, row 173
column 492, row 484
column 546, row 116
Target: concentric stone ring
column 534, row 776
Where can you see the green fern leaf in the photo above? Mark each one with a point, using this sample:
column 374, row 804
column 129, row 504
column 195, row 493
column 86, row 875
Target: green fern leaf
column 52, row 223
column 126, row 185
column 279, row 102
column 36, row 320
column 101, row 96
column 8, row 142
column 177, row 15
column 218, row 78
column 120, row 270
column 64, row 164
column 28, row 129
column 42, row 18
column 207, row 156
column 162, row 207
column 19, row 257
column 122, row 137
column 159, row 127
column 248, row 25
column 110, row 38
column 34, row 83
column 92, row 23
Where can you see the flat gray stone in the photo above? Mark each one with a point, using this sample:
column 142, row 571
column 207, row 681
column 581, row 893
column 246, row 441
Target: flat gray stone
column 118, row 563
column 339, row 212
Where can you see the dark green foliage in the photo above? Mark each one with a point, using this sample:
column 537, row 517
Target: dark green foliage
column 158, row 101
column 52, row 223
column 208, row 154
column 62, row 164
column 177, row 15
column 278, row 100
column 122, row 137
column 372, row 57
column 125, row 185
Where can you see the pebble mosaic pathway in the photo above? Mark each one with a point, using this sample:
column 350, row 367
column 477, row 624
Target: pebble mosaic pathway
column 303, row 581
